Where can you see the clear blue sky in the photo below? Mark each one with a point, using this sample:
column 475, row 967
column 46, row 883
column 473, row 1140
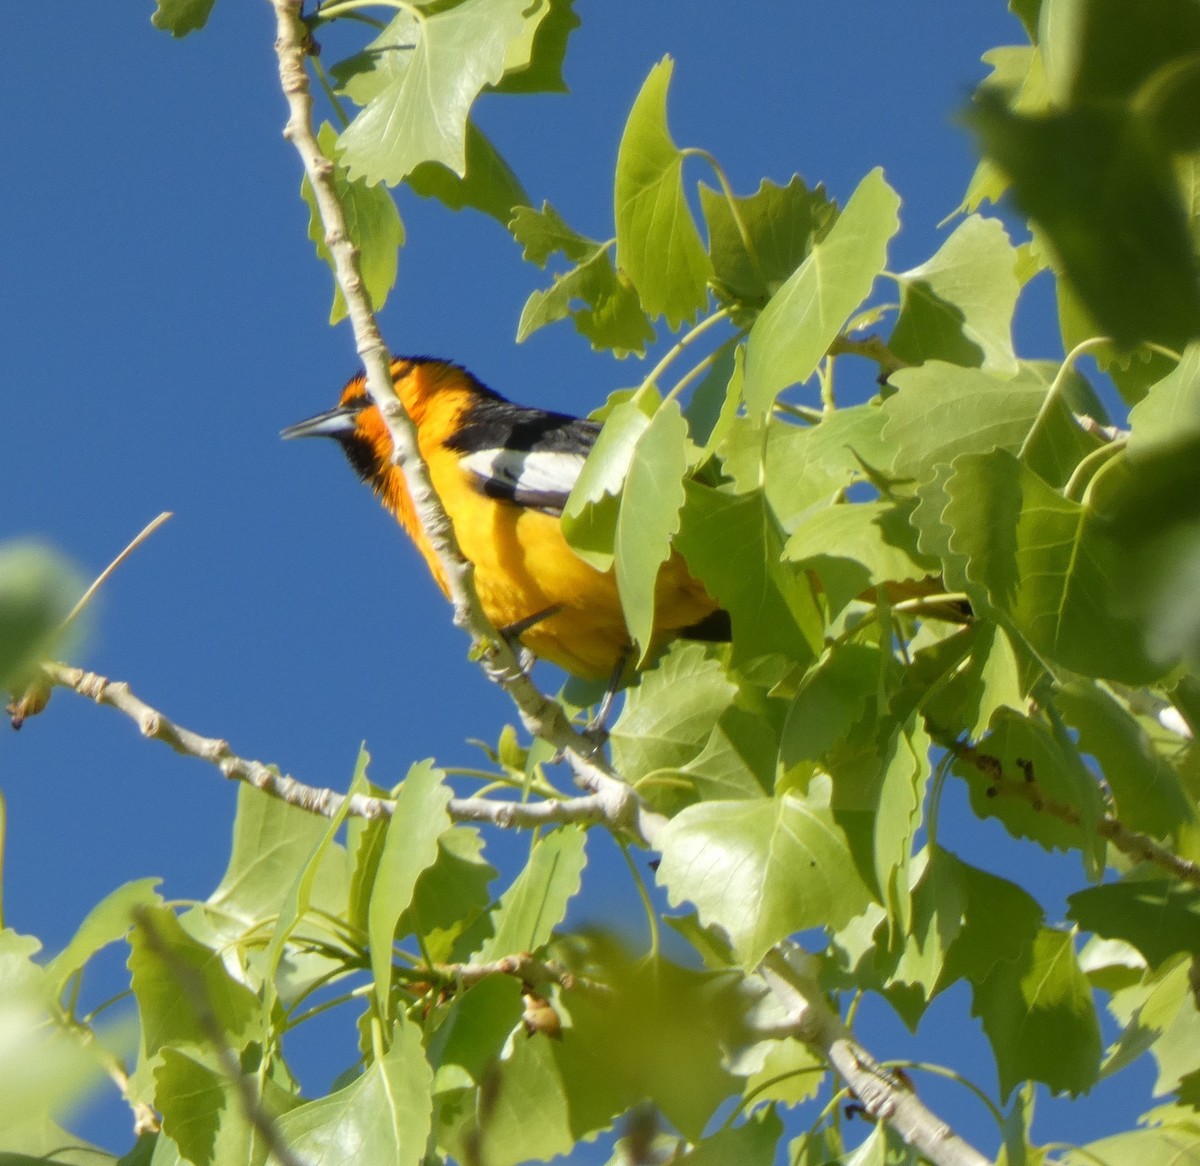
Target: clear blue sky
column 164, row 316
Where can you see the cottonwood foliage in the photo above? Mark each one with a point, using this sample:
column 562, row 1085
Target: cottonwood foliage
column 968, row 573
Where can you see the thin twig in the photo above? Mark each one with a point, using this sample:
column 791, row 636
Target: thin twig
column 596, row 807
column 100, row 579
column 1138, row 846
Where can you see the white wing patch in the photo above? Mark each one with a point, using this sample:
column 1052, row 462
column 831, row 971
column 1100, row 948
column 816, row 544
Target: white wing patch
column 531, row 477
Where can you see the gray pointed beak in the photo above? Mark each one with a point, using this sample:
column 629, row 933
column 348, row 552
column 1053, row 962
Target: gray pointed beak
column 337, row 423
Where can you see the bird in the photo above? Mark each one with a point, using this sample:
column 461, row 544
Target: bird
column 503, row 472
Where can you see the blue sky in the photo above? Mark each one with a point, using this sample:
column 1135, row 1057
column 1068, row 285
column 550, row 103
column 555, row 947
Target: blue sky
column 164, row 316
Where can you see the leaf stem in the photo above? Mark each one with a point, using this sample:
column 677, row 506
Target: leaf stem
column 330, row 92
column 344, row 7
column 687, row 338
column 647, row 902
column 1056, row 386
column 1098, row 456
column 727, row 191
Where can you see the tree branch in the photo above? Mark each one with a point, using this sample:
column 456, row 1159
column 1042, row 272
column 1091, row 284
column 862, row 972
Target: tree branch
column 1140, row 847
column 602, row 805
column 882, row 1093
column 541, row 716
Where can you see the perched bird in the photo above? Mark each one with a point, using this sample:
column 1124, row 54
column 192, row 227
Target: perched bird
column 503, row 473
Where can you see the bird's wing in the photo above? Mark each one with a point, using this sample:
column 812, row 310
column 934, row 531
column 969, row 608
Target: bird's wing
column 526, row 456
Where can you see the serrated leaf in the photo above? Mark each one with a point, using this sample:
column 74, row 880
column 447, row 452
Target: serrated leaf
column 451, row 894
column 418, row 80
column 545, row 233
column 612, row 318
column 804, row 317
column 195, row 1102
column 536, row 903
column 534, row 62
column 1177, row 1143
column 1083, row 582
column 942, row 411
column 669, row 716
column 1022, row 745
column 939, row 907
column 658, row 246
column 166, row 1009
column 781, row 224
column 958, row 305
column 649, row 516
column 472, row 1034
column 487, row 184
column 372, row 222
column 410, row 848
column 1040, row 1017
column 179, row 17
column 830, row 702
column 856, row 546
column 733, row 545
column 761, row 869
column 272, row 843
column 1147, row 790
column 1159, row 918
column 382, row 1116
column 106, row 923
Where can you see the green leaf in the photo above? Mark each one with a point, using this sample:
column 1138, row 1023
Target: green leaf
column 372, row 222
column 534, row 62
column 382, row 1116
column 418, row 80
column 589, row 518
column 732, row 543
column 472, row 1035
column 202, row 1112
column 738, row 759
column 761, row 869
column 649, row 516
column 37, row 590
column 179, row 17
column 751, row 1144
column 612, row 318
column 488, row 183
column 165, row 1006
column 451, row 894
column 410, row 848
column 106, row 923
column 658, row 246
column 536, row 903
column 1101, row 189
column 1157, row 917
column 856, row 546
column 272, row 843
column 942, row 411
column 999, row 924
column 297, row 902
column 1170, row 411
column 1085, row 583
column 528, row 1111
column 1019, row 745
column 1177, row 1143
column 804, row 317
column 830, row 702
column 669, row 716
column 545, row 233
column 1146, row 789
column 939, row 907
column 958, row 306
column 781, row 224
column 1040, row 1017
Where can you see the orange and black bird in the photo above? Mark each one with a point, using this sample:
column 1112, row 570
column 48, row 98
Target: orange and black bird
column 503, row 473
